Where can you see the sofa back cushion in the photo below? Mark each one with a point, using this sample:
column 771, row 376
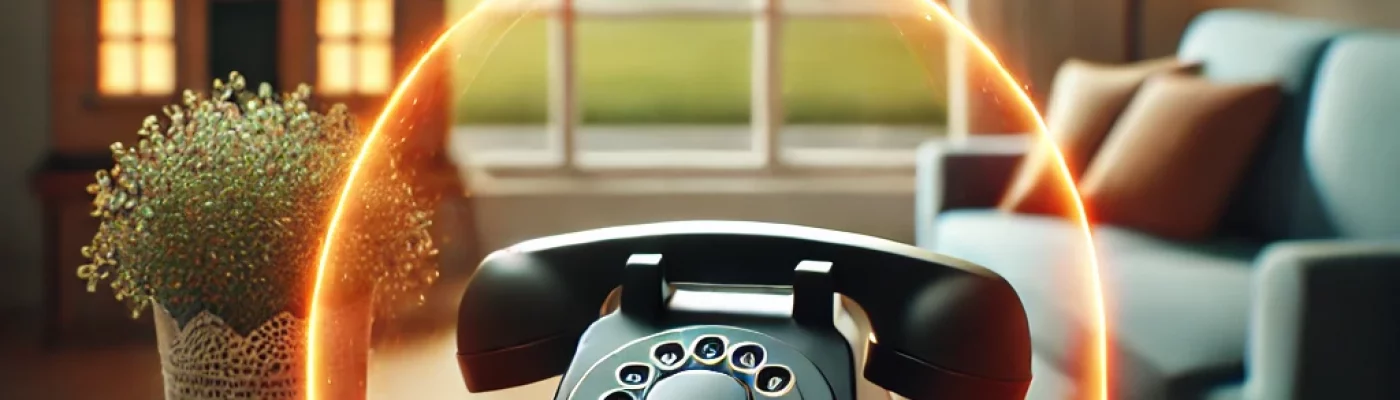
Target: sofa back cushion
column 1170, row 163
column 1352, row 145
column 1276, row 199
column 1085, row 101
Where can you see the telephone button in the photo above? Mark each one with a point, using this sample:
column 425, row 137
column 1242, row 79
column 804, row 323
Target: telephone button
column 634, row 375
column 709, row 349
column 618, row 394
column 773, row 380
column 668, row 355
column 747, row 357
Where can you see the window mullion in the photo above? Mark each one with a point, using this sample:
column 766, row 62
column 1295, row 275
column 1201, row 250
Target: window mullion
column 563, row 82
column 766, row 80
column 357, row 80
column 959, row 109
column 138, row 44
column 766, row 103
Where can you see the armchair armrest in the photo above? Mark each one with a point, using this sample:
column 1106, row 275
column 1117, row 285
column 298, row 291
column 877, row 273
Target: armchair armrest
column 1326, row 321
column 967, row 173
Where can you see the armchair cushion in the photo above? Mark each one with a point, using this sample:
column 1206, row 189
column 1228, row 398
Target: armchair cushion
column 1326, row 321
column 1154, row 287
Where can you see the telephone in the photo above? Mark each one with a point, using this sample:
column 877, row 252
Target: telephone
column 737, row 310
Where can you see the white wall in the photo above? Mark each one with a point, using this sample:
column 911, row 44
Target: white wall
column 877, row 206
column 23, row 140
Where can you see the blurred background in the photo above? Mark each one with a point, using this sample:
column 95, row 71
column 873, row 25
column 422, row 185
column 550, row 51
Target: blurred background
column 614, row 112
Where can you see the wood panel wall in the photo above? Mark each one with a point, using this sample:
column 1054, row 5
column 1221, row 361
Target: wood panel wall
column 83, row 125
column 1032, row 39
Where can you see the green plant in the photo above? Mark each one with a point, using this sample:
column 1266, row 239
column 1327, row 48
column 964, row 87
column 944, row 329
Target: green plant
column 223, row 205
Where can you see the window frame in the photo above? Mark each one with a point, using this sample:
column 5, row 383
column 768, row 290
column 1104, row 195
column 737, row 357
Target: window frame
column 564, row 126
column 356, row 96
column 96, row 98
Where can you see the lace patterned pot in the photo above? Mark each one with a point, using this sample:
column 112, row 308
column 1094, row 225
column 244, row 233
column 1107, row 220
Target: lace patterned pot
column 207, row 359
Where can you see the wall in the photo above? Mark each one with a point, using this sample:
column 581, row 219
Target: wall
column 509, row 210
column 1164, row 20
column 24, row 124
column 71, row 119
column 1032, row 39
column 1077, row 25
column 507, row 220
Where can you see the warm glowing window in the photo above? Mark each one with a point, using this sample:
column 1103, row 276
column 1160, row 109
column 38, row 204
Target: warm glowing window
column 355, row 51
column 136, row 49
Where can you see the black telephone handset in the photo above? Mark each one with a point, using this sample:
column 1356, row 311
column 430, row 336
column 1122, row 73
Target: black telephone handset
column 942, row 328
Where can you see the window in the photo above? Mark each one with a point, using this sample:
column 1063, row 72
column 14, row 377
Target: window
column 707, row 84
column 136, row 48
column 355, row 52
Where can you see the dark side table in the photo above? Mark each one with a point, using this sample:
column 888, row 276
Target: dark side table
column 72, row 315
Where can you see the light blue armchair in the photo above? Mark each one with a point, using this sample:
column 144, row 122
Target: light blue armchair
column 1297, row 297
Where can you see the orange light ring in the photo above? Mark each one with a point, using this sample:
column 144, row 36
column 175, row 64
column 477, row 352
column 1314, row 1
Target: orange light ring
column 314, row 315
column 1098, row 386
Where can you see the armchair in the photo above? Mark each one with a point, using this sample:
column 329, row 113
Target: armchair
column 1326, row 321
column 968, row 173
column 1298, row 294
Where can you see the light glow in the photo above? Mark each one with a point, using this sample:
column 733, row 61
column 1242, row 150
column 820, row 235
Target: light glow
column 1097, row 377
column 136, row 49
column 355, row 50
column 155, row 79
column 315, row 316
column 1096, row 384
column 117, row 65
column 157, row 18
column 117, row 17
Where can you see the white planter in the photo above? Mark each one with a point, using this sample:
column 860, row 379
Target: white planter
column 207, row 359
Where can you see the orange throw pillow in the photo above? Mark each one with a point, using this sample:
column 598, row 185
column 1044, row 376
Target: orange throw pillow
column 1085, row 101
column 1173, row 158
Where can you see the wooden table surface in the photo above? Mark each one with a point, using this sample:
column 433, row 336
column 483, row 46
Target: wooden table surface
column 413, row 358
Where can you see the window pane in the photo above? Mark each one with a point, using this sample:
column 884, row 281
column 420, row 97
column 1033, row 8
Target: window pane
column 118, row 17
column 335, row 18
column 508, row 87
column 377, row 18
column 157, row 67
column 858, row 70
column 500, row 94
column 878, row 8
column 376, row 67
column 336, row 67
column 664, row 70
column 587, row 7
column 117, row 67
column 157, row 18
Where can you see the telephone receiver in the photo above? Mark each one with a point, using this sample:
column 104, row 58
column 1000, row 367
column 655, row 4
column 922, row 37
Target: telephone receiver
column 941, row 328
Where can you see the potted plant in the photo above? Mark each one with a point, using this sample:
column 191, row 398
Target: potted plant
column 215, row 219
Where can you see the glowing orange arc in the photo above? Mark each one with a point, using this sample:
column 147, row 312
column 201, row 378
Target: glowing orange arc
column 1098, row 387
column 315, row 322
column 1098, row 361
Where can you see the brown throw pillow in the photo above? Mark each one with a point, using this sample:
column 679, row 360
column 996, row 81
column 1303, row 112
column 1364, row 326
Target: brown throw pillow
column 1171, row 161
column 1085, row 101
